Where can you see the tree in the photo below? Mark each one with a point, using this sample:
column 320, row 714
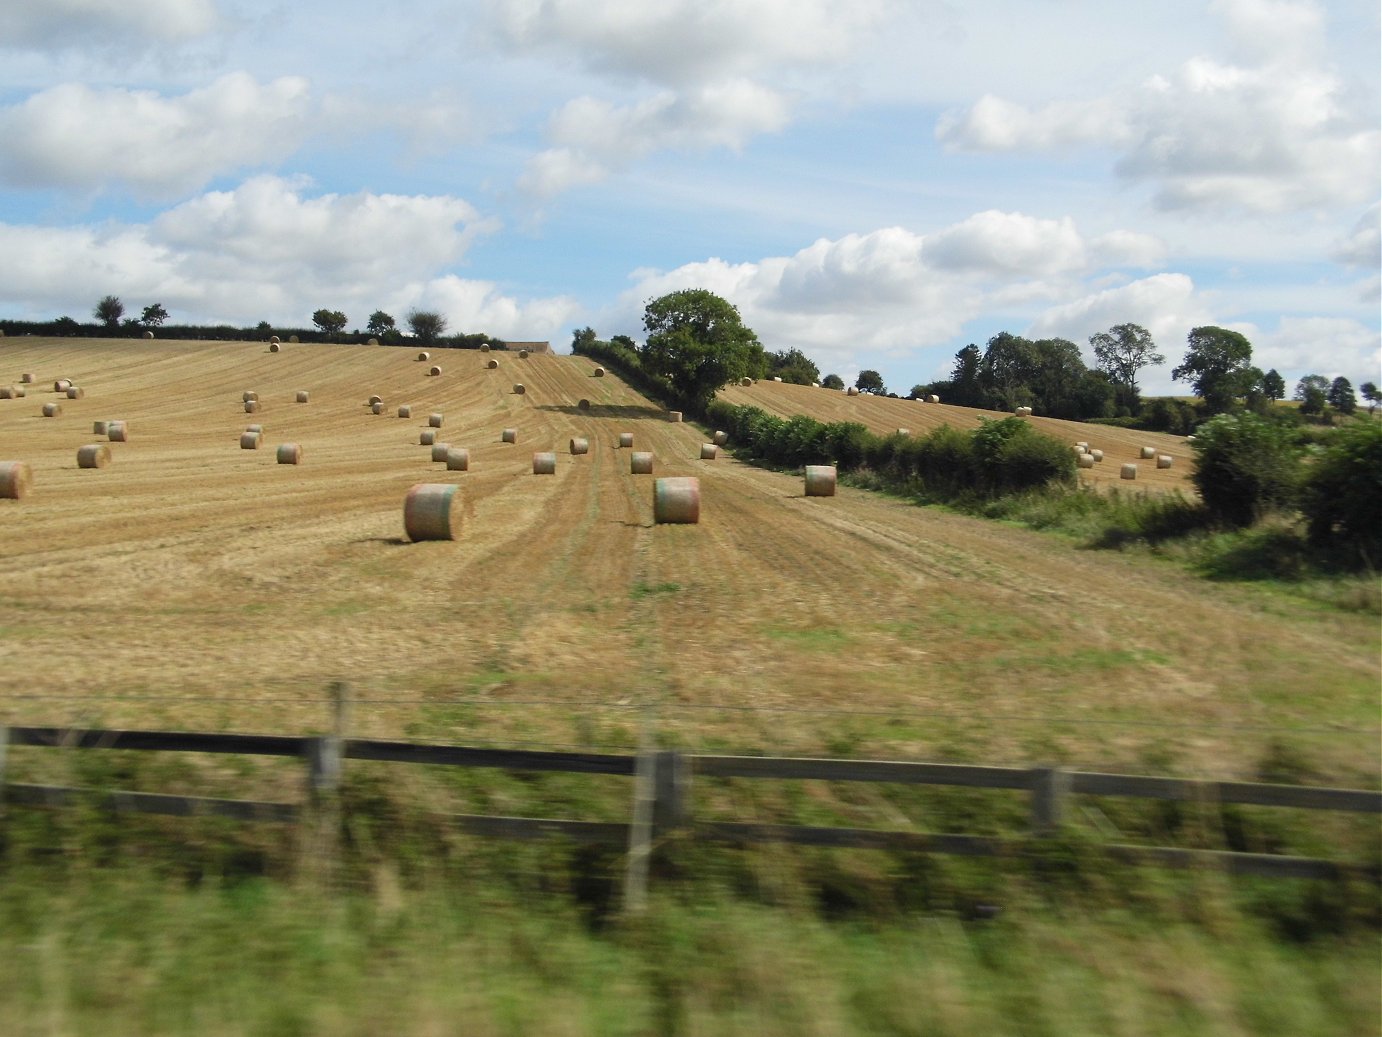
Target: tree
column 1005, row 372
column 1341, row 396
column 109, row 311
column 834, row 381
column 1371, row 394
column 1216, row 366
column 965, row 390
column 871, row 381
column 153, row 316
column 1245, row 466
column 792, row 365
column 1273, row 385
column 1056, row 377
column 1313, row 393
column 426, row 325
column 698, row 343
column 331, row 322
column 380, row 323
column 1120, row 353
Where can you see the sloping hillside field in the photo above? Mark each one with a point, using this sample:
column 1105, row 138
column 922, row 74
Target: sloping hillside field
column 194, row 584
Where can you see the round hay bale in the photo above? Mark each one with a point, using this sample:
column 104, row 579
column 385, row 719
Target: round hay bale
column 677, row 499
column 274, row 347
column 518, row 389
column 250, row 440
column 427, row 437
column 1129, row 471
column 433, row 372
column 1164, row 460
column 1081, row 447
column 545, row 463
column 720, row 438
column 580, row 446
column 709, row 451
column 273, row 340
column 745, row 382
column 851, row 391
column 674, row 416
column 933, row 398
column 118, row 431
column 427, row 512
column 376, row 408
column 491, row 364
column 777, row 378
column 626, row 439
column 148, row 334
column 904, row 432
column 293, row 340
column 289, row 453
column 100, row 428
column 522, row 354
column 1085, row 460
column 52, row 410
column 251, row 406
column 373, row 342
column 11, row 392
column 484, row 347
column 27, row 378
column 405, row 411
column 303, row 396
column 820, row 480
column 641, row 462
column 435, row 420
column 249, row 395
column 583, row 404
column 424, row 356
column 509, row 435
column 16, row 479
column 93, row 455
column 458, row 459
column 373, row 400
column 1147, row 453
column 439, row 451
column 599, row 372
column 62, row 385
column 255, row 428
column 1098, row 455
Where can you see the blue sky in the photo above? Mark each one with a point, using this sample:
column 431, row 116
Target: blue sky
column 874, row 182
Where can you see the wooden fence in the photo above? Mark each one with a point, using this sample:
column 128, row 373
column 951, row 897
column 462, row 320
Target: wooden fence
column 662, row 796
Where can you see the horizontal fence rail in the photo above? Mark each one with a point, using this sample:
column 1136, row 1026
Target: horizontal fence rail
column 661, row 804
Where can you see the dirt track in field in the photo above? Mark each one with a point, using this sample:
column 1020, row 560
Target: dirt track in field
column 195, row 584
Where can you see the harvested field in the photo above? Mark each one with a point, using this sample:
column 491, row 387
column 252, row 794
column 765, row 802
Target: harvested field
column 561, row 614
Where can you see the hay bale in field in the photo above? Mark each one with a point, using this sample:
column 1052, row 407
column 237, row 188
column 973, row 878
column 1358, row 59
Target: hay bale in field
column 1129, row 471
column 289, row 453
column 100, row 428
column 62, row 385
column 405, row 411
column 851, row 391
column 1023, row 412
column 1164, row 460
column 491, row 364
column 11, row 392
column 255, row 428
column 248, row 395
column 626, row 439
column 373, row 400
column 1147, row 453
column 933, row 398
column 1085, row 460
column 709, row 451
column 522, row 354
column 677, row 499
column 427, row 512
column 674, row 416
column 518, row 389
column 93, row 455
column 509, row 435
column 776, row 378
column 376, row 408
column 274, row 347
column 583, row 404
column 580, row 446
column 293, row 340
column 27, row 378
column 904, row 432
column 820, row 480
column 1098, row 455
column 373, row 342
column 458, row 459
column 424, row 356
column 148, row 334
column 435, row 420
column 545, row 463
column 433, row 371
column 427, row 437
column 599, row 372
column 52, row 410
column 273, row 340
column 251, row 406
column 720, row 438
column 16, row 479
column 641, row 462
column 440, row 450
column 250, row 440
column 302, row 396
column 118, row 431
column 745, row 382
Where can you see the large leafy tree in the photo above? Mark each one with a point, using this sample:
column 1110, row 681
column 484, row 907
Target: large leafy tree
column 1056, row 378
column 964, row 390
column 331, row 322
column 1273, row 385
column 1313, row 393
column 1371, row 394
column 426, row 325
column 380, row 323
column 833, row 381
column 1218, row 366
column 1341, row 397
column 153, row 316
column 871, row 381
column 109, row 311
column 1006, row 371
column 1121, row 352
column 698, row 343
column 792, row 365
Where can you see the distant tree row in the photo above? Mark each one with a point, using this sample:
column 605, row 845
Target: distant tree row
column 109, row 311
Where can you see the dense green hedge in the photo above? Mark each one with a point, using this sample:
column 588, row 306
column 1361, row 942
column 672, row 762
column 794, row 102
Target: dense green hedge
column 999, row 457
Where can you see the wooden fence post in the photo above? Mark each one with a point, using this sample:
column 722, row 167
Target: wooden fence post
column 324, row 760
column 671, row 792
column 1050, row 787
column 640, row 832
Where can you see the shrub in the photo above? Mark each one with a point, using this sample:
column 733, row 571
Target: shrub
column 1245, row 467
column 1342, row 494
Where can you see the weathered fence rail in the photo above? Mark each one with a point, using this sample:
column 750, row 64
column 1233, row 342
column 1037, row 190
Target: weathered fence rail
column 662, row 796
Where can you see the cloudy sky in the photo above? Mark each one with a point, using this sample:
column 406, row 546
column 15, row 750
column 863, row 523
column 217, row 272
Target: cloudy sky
column 874, row 182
